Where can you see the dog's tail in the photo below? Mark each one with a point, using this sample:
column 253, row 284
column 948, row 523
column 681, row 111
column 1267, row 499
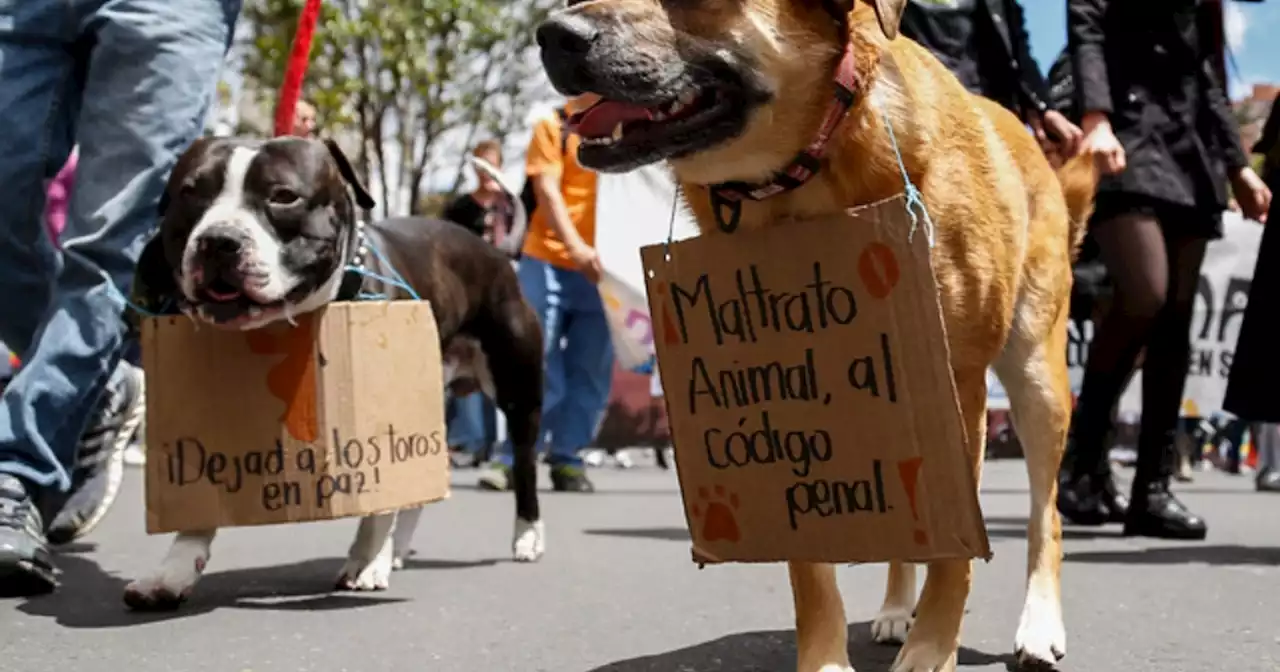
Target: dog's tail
column 1079, row 179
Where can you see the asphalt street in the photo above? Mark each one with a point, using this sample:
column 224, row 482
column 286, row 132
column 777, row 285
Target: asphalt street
column 617, row 592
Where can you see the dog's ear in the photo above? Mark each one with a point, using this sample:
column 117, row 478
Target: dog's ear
column 155, row 283
column 889, row 12
column 363, row 199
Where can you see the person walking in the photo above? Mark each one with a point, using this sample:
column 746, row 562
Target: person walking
column 130, row 82
column 487, row 210
column 1157, row 119
column 558, row 273
column 1255, row 368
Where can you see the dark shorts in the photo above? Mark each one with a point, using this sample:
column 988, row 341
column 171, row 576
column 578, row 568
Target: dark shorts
column 1174, row 218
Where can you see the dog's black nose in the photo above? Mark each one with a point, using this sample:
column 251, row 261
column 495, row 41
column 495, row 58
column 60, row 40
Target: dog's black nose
column 220, row 246
column 565, row 42
column 567, row 34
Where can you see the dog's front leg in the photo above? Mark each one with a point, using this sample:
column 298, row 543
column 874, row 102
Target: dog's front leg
column 402, row 537
column 821, row 632
column 369, row 563
column 169, row 584
column 1035, row 375
column 934, row 640
column 897, row 613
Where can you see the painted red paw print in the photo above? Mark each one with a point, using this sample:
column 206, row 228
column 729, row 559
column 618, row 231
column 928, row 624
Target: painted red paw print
column 715, row 508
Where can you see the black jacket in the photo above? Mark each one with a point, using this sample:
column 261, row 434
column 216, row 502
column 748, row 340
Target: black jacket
column 1147, row 64
column 1006, row 69
column 1256, row 364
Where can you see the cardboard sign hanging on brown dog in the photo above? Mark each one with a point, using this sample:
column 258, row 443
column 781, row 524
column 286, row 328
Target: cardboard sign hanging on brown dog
column 810, row 394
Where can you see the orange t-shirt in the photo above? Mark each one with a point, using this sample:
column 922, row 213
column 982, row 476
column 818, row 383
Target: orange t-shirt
column 577, row 187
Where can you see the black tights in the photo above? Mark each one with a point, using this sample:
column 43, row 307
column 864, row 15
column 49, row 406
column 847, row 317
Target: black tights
column 1155, row 275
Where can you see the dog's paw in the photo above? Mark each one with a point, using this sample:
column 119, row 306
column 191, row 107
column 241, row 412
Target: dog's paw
column 891, row 625
column 1041, row 640
column 922, row 656
column 167, row 587
column 375, row 575
column 398, row 559
column 529, row 542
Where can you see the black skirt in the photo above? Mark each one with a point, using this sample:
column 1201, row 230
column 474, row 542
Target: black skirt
column 1253, row 387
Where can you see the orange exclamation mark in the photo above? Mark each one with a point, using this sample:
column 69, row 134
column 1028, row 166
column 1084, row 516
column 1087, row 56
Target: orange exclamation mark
column 669, row 335
column 909, row 472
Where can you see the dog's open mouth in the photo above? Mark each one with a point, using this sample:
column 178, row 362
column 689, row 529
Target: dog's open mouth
column 224, row 304
column 618, row 135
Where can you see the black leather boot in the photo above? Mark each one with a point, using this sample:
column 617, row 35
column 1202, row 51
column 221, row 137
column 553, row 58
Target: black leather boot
column 1268, row 480
column 1087, row 493
column 1155, row 512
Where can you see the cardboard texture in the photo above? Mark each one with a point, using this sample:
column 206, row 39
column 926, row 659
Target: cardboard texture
column 810, row 394
column 342, row 415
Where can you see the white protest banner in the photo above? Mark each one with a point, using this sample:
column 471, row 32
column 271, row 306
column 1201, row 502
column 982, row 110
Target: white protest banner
column 1221, row 299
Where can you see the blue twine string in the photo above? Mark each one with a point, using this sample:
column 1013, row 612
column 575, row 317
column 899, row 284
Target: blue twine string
column 396, row 280
column 915, row 200
column 139, row 309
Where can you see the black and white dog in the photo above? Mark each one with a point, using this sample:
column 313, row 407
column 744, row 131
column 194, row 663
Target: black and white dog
column 254, row 232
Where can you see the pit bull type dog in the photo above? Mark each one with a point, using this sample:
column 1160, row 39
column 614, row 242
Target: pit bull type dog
column 259, row 231
column 780, row 107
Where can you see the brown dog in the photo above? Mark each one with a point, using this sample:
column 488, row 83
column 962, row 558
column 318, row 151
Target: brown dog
column 738, row 96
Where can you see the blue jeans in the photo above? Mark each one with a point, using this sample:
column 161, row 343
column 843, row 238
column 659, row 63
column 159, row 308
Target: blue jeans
column 471, row 422
column 578, row 358
column 131, row 82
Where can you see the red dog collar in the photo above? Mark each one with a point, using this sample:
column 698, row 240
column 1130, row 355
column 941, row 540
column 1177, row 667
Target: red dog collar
column 804, row 166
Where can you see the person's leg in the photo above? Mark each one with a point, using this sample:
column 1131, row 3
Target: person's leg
column 1153, row 510
column 150, row 78
column 1266, row 440
column 466, row 431
column 37, row 85
column 541, row 287
column 1231, row 438
column 153, row 72
column 1133, row 249
column 588, row 375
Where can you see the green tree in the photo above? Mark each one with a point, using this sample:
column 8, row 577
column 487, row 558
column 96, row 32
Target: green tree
column 398, row 76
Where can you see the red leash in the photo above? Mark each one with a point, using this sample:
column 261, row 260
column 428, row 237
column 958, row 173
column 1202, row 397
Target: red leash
column 295, row 70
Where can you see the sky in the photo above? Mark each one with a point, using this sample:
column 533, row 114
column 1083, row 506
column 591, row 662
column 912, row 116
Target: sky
column 1249, row 25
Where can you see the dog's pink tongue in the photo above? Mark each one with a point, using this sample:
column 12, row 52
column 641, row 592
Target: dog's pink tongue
column 222, row 296
column 599, row 120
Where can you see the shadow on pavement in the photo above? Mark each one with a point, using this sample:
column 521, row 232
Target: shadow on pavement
column 1013, row 527
column 769, row 651
column 997, row 528
column 1176, row 555
column 544, row 488
column 663, row 533
column 92, row 598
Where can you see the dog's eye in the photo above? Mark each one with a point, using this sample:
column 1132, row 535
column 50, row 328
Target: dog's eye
column 284, row 196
